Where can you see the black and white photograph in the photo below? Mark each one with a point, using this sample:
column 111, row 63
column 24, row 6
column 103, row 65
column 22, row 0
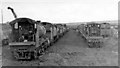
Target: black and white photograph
column 59, row 33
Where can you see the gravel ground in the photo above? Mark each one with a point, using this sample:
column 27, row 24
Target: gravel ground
column 75, row 49
column 70, row 50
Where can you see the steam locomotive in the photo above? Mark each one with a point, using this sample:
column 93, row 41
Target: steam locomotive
column 30, row 38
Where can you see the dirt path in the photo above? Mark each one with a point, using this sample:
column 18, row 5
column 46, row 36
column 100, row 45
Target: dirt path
column 70, row 42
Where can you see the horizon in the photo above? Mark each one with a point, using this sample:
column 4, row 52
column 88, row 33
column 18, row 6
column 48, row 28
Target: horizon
column 61, row 11
column 107, row 21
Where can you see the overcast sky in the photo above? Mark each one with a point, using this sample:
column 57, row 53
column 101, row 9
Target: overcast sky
column 61, row 11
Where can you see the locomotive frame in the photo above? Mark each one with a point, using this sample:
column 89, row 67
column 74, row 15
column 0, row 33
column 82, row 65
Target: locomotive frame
column 91, row 32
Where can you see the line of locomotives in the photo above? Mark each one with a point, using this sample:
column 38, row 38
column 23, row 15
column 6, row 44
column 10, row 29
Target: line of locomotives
column 94, row 33
column 30, row 38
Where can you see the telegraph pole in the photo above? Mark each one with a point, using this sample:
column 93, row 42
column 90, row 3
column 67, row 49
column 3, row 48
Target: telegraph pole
column 1, row 12
column 2, row 15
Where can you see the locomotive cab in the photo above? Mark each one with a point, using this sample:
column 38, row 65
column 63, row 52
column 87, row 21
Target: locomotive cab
column 23, row 30
column 23, row 38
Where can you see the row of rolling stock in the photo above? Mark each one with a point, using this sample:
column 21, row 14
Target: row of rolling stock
column 29, row 39
column 94, row 33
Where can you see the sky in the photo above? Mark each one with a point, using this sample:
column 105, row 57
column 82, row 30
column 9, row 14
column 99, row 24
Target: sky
column 61, row 11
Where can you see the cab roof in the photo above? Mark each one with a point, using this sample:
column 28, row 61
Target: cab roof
column 46, row 23
column 22, row 20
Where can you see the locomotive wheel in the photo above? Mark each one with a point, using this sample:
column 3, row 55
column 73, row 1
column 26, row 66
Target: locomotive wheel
column 94, row 44
column 14, row 55
column 57, row 37
column 91, row 44
column 100, row 45
column 50, row 44
column 41, row 51
column 34, row 55
column 46, row 45
column 97, row 45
